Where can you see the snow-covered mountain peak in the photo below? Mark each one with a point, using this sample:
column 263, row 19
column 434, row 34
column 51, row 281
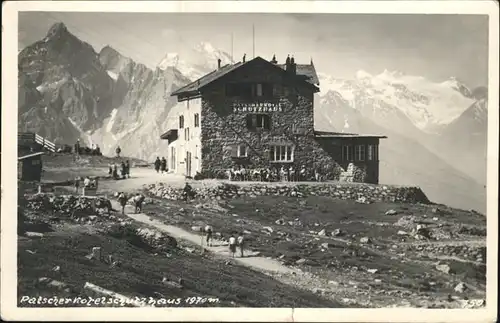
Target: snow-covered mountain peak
column 425, row 103
column 205, row 47
column 196, row 61
column 362, row 74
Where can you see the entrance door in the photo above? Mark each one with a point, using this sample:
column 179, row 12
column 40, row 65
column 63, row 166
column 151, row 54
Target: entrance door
column 188, row 163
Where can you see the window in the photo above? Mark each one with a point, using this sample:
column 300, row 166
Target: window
column 186, row 134
column 347, row 153
column 172, row 157
column 372, row 152
column 258, row 121
column 181, row 122
column 360, row 153
column 196, row 120
column 259, row 89
column 35, row 162
column 239, row 151
column 281, row 153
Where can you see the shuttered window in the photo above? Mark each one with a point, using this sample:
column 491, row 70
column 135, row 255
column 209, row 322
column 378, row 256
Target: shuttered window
column 181, row 122
column 196, row 120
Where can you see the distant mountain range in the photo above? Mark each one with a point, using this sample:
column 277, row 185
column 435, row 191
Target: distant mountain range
column 437, row 131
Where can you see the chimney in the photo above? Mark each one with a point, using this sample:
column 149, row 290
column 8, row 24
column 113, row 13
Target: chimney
column 244, row 57
column 274, row 61
column 290, row 65
column 218, row 63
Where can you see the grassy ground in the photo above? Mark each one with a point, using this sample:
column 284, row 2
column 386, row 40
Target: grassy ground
column 400, row 268
column 141, row 271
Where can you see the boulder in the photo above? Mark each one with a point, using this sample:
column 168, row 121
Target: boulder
column 268, row 229
column 301, row 261
column 196, row 228
column 460, row 288
column 337, row 233
column 365, row 240
column 391, row 212
column 443, row 268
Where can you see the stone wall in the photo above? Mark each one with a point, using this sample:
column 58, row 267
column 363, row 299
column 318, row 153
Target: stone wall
column 364, row 193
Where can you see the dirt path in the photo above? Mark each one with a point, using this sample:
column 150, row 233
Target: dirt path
column 250, row 258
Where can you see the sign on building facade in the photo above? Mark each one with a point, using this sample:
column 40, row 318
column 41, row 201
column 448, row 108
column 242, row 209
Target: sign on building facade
column 257, row 107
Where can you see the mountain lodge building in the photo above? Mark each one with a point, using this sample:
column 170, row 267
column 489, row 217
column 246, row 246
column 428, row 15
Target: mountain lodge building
column 260, row 114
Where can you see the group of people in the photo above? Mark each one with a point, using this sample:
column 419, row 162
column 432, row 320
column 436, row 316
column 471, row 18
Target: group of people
column 274, row 174
column 79, row 150
column 87, row 183
column 161, row 165
column 234, row 243
column 124, row 170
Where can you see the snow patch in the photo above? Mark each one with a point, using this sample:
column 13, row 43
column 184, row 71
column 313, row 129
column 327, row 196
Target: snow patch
column 113, row 75
column 111, row 121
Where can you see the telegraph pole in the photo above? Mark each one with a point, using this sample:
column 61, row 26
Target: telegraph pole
column 253, row 39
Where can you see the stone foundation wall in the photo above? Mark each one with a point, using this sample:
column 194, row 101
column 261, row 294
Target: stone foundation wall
column 360, row 192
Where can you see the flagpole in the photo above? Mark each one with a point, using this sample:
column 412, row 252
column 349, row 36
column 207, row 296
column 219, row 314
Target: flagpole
column 253, row 39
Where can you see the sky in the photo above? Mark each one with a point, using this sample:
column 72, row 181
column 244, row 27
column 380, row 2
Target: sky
column 434, row 46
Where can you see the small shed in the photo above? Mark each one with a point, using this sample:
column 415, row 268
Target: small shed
column 30, row 167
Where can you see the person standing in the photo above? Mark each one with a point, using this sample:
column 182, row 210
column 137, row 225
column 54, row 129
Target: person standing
column 157, row 164
column 118, row 151
column 241, row 242
column 303, row 173
column 77, row 147
column 123, row 170
column 115, row 171
column 187, row 192
column 122, row 199
column 77, row 184
column 127, row 169
column 163, row 165
column 209, row 232
column 232, row 245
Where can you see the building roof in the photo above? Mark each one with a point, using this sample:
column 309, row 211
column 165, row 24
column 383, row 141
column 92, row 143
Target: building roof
column 328, row 134
column 208, row 78
column 308, row 71
column 30, row 155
